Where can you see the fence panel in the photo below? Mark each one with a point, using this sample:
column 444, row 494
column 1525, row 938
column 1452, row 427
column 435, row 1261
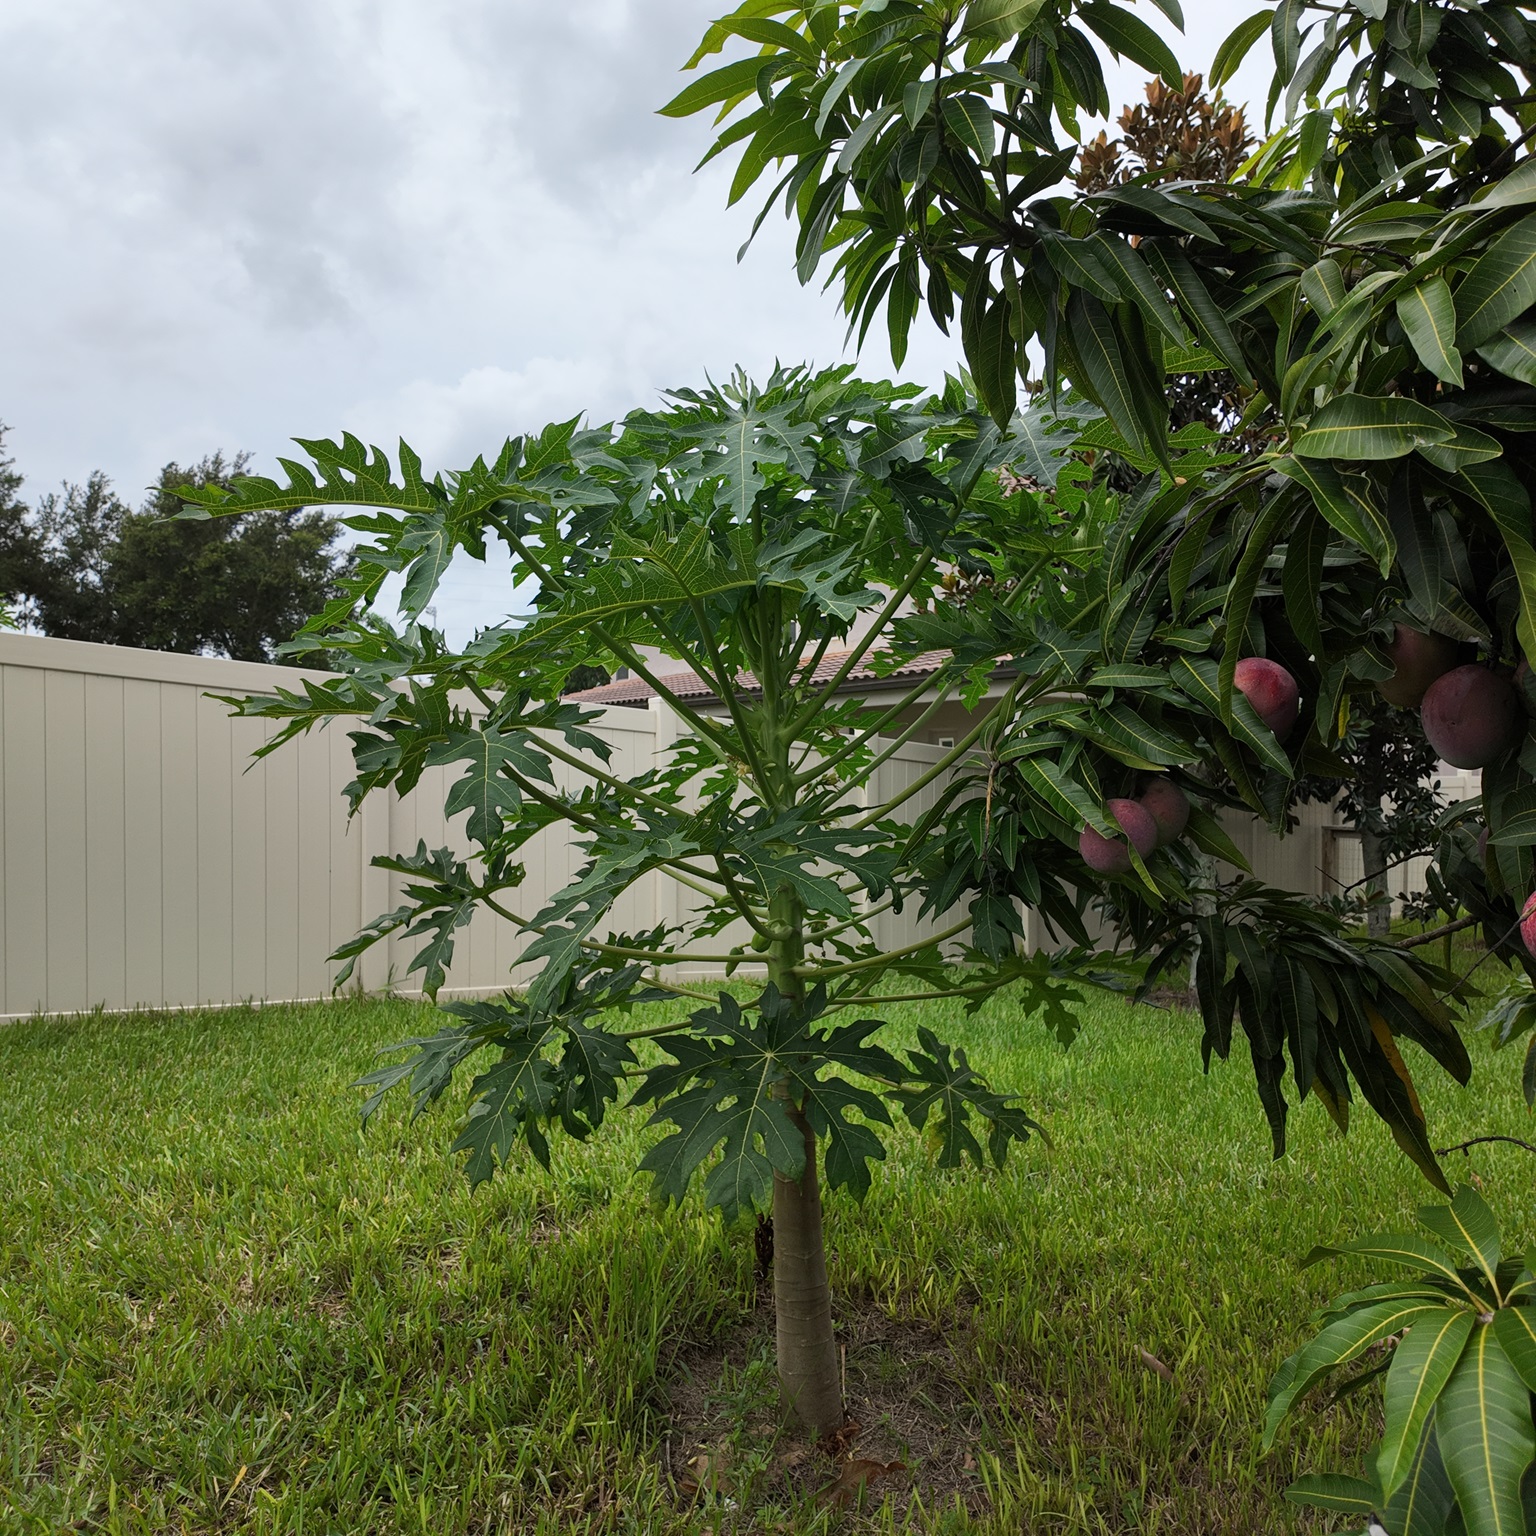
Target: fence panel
column 146, row 860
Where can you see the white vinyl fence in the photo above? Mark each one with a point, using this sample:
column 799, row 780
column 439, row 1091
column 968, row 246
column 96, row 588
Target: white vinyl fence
column 146, row 861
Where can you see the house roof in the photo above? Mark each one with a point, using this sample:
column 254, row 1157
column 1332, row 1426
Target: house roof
column 636, row 693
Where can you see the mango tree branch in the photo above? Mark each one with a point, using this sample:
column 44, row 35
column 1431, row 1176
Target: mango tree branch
column 1442, row 932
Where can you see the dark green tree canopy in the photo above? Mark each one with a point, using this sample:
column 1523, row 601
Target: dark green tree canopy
column 83, row 565
column 20, row 546
column 1370, row 283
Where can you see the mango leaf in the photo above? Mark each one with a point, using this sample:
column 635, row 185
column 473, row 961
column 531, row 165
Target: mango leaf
column 1483, row 1424
column 1499, row 287
column 1370, row 427
column 1209, row 836
column 1329, row 1490
column 1396, row 1248
column 1468, row 1225
column 731, row 80
column 1064, row 796
column 1421, row 1365
column 1339, row 1343
column 1423, row 1500
column 1516, row 1331
column 1513, row 350
column 1324, row 286
column 1203, row 312
column 1234, row 47
column 1428, row 315
column 1469, row 446
column 1346, row 504
column 1109, row 376
column 1200, row 678
column 1124, row 33
column 1496, row 487
column 999, row 19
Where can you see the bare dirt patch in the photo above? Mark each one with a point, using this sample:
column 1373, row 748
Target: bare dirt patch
column 912, row 1431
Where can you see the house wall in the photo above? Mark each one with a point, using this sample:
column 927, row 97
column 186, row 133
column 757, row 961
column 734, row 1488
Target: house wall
column 147, row 860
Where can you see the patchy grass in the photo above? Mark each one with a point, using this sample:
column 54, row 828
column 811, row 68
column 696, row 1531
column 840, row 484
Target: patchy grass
column 222, row 1308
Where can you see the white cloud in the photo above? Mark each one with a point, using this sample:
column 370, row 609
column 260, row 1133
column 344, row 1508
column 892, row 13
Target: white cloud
column 230, row 225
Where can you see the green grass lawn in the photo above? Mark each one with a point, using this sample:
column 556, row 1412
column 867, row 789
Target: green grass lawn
column 222, row 1308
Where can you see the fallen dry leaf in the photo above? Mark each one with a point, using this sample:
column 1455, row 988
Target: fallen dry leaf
column 840, row 1444
column 853, row 1477
column 703, row 1474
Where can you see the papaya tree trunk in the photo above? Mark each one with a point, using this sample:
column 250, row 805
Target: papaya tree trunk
column 809, row 1381
column 802, row 1300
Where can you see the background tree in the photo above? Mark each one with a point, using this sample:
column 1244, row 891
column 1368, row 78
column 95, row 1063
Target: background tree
column 83, row 565
column 20, row 547
column 1181, row 134
column 237, row 588
column 78, row 530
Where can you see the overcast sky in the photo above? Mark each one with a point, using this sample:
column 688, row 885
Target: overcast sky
column 228, row 225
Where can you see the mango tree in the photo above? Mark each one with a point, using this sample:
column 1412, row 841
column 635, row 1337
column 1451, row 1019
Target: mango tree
column 1368, row 279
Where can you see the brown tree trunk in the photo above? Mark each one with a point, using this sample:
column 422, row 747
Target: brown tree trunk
column 1378, row 911
column 808, row 1373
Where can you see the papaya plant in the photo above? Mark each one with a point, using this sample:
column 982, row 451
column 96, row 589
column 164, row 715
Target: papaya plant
column 1457, row 1341
column 773, row 539
column 767, row 538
